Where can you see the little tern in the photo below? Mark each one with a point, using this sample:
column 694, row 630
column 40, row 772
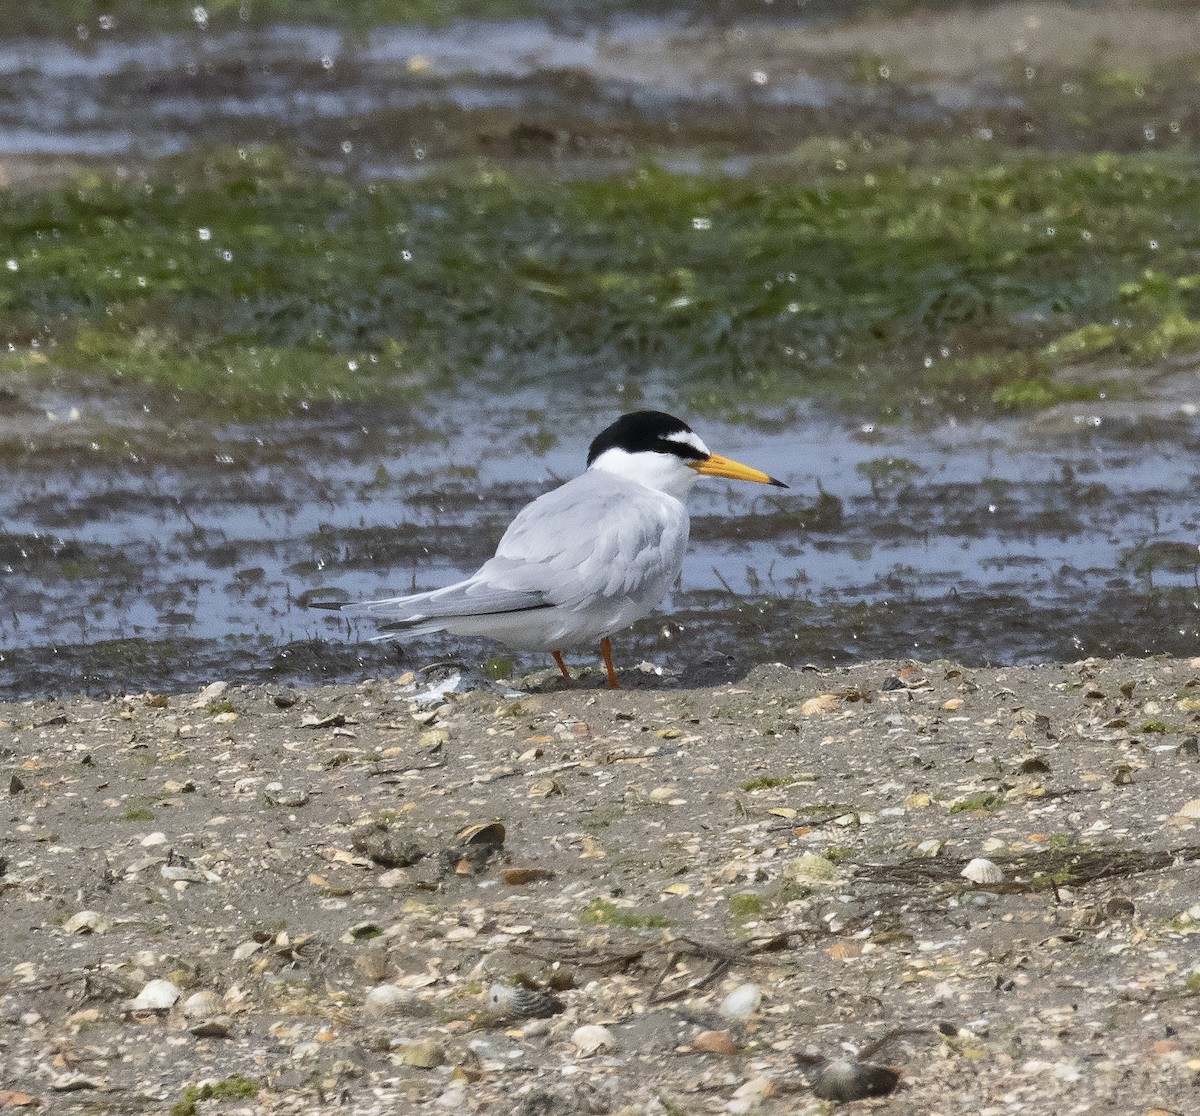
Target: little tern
column 586, row 559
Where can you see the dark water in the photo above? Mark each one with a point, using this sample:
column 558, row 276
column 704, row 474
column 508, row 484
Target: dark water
column 1057, row 537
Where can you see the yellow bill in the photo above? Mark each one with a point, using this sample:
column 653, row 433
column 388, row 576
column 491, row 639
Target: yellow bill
column 717, row 466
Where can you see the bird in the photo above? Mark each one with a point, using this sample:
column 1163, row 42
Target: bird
column 584, row 560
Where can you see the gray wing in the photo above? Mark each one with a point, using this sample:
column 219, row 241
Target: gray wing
column 591, row 540
column 596, row 538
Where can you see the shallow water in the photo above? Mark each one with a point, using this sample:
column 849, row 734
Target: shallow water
column 1021, row 540
column 393, row 100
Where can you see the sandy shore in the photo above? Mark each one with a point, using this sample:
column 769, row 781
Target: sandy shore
column 701, row 883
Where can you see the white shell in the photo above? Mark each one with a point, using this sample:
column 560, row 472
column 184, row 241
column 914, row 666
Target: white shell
column 741, row 1003
column 246, row 949
column 202, row 1005
column 158, row 995
column 386, row 999
column 982, row 871
column 85, row 922
column 177, row 872
column 516, row 1002
column 592, row 1038
column 1190, row 809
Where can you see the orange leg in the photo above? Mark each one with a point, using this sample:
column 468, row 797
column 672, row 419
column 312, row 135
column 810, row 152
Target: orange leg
column 606, row 651
column 561, row 665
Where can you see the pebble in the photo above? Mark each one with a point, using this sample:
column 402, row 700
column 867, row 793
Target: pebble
column 218, row 1026
column 715, row 1042
column 741, row 1003
column 423, row 1055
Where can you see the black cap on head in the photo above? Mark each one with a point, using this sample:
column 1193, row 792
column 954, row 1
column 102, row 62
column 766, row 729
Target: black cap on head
column 648, row 431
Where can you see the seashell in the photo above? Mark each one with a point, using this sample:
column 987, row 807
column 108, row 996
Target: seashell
column 246, row 949
column 982, row 871
column 819, row 705
column 202, row 1005
column 85, row 922
column 177, row 872
column 387, row 999
column 741, row 1003
column 218, row 1026
column 1190, row 809
column 591, row 1039
column 490, row 833
column 841, row 1079
column 514, row 1001
column 157, row 995
column 811, row 868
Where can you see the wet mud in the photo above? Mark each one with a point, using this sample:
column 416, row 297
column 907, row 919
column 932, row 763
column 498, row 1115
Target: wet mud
column 998, row 542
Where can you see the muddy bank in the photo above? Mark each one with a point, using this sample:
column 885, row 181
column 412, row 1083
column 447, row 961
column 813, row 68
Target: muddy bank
column 276, row 855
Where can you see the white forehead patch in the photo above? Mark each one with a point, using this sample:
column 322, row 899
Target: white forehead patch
column 689, row 438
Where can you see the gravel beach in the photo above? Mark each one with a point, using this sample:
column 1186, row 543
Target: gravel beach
column 944, row 889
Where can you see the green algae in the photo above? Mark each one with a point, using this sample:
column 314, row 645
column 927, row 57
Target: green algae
column 602, row 912
column 247, row 283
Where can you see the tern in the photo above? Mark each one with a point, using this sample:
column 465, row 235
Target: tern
column 586, row 559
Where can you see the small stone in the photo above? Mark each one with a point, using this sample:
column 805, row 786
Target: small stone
column 423, row 1055
column 741, row 1003
column 211, row 692
column 218, row 1026
column 811, row 868
column 153, row 840
column 517, row 877
column 715, row 1042
column 74, row 1083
